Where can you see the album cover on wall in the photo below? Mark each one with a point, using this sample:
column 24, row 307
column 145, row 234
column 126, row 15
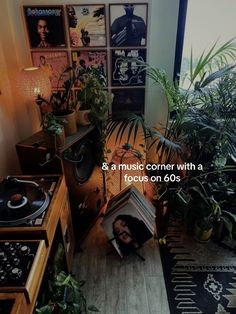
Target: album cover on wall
column 45, row 26
column 53, row 63
column 128, row 67
column 91, row 58
column 129, row 99
column 86, row 25
column 128, row 24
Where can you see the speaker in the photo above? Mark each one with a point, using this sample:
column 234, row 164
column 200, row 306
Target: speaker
column 82, row 156
column 77, row 161
column 85, row 183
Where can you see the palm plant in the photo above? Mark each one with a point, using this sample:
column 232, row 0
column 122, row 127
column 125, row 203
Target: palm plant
column 208, row 96
column 202, row 129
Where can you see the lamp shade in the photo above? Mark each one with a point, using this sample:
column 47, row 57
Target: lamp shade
column 32, row 82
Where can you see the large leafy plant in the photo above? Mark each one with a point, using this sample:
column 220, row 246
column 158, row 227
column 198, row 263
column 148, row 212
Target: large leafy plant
column 66, row 296
column 64, row 293
column 90, row 84
column 202, row 130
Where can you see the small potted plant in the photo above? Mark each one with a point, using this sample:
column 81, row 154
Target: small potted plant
column 66, row 296
column 62, row 293
column 60, row 102
column 53, row 129
column 203, row 229
column 91, row 96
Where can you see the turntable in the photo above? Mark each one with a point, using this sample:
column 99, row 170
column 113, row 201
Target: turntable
column 30, row 206
column 34, row 217
column 22, row 202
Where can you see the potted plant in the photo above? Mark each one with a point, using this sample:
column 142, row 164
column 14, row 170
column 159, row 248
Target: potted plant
column 203, row 229
column 202, row 130
column 66, row 296
column 91, row 96
column 63, row 293
column 53, row 129
column 93, row 102
column 60, row 101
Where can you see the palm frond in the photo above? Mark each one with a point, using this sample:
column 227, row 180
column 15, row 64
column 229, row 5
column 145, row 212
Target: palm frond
column 126, row 123
column 214, row 57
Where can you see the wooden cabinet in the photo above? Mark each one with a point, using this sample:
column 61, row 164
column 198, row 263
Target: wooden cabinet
column 56, row 228
column 32, row 154
column 13, row 303
column 67, row 232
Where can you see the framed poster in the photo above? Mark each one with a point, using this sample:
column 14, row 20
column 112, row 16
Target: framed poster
column 129, row 99
column 91, row 58
column 86, row 25
column 53, row 63
column 45, row 26
column 128, row 24
column 127, row 69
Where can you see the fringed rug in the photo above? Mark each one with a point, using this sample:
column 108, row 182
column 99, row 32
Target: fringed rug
column 199, row 277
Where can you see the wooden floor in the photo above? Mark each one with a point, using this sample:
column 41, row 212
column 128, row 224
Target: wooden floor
column 120, row 286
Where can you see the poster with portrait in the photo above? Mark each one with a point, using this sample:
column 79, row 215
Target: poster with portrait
column 128, row 99
column 127, row 67
column 128, row 24
column 53, row 63
column 45, row 26
column 91, row 58
column 129, row 220
column 86, row 25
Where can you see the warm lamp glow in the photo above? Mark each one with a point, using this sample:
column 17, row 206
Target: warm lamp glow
column 33, row 82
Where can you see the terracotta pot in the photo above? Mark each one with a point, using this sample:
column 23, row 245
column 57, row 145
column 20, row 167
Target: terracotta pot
column 70, row 125
column 202, row 235
column 82, row 117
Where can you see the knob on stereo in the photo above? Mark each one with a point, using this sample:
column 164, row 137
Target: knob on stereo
column 25, row 250
column 4, row 260
column 13, row 255
column 2, row 256
column 7, row 246
column 3, row 276
column 8, row 267
column 16, row 273
column 17, row 245
column 12, row 250
column 16, row 261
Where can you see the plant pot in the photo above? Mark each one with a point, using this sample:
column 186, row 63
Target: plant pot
column 54, row 140
column 70, row 124
column 82, row 117
column 201, row 234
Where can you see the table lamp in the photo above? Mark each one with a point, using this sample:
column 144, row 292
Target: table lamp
column 33, row 81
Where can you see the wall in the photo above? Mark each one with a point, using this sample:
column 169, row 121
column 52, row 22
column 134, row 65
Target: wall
column 18, row 119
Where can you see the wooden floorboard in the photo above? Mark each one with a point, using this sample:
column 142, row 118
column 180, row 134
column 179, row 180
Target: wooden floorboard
column 120, row 286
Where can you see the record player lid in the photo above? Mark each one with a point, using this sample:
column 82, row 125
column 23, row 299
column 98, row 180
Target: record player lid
column 21, row 201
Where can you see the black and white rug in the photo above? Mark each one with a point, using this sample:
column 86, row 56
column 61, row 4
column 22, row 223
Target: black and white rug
column 199, row 277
